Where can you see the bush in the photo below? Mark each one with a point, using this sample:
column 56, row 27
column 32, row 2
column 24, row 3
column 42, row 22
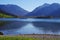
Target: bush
column 1, row 33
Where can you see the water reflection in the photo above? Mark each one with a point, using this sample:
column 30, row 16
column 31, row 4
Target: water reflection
column 13, row 25
column 28, row 29
column 30, row 26
column 52, row 26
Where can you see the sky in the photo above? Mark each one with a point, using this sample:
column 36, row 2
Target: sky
column 28, row 5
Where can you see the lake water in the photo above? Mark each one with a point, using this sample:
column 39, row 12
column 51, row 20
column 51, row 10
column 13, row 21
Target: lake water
column 14, row 26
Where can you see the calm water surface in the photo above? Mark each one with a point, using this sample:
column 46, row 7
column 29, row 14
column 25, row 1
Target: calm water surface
column 29, row 26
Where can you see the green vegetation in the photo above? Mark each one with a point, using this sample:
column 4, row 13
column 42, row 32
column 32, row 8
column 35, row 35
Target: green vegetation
column 25, row 38
column 5, row 16
column 16, row 38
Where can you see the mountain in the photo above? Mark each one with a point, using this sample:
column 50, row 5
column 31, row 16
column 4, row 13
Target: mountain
column 46, row 10
column 35, row 11
column 56, row 12
column 40, row 7
column 13, row 10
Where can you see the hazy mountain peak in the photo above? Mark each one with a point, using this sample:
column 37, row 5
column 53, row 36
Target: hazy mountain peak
column 13, row 10
column 40, row 7
column 46, row 10
column 55, row 4
column 46, row 4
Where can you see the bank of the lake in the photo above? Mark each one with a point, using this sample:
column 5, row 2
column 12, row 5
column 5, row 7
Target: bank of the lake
column 30, row 37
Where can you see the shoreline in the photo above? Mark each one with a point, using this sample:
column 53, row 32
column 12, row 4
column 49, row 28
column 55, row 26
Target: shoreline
column 34, row 35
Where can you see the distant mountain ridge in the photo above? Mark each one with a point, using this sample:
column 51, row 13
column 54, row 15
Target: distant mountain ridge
column 46, row 10
column 13, row 10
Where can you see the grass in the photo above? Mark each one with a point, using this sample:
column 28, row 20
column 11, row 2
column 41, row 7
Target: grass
column 16, row 38
column 25, row 38
column 5, row 16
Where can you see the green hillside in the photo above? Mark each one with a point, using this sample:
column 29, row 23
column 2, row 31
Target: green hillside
column 2, row 15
